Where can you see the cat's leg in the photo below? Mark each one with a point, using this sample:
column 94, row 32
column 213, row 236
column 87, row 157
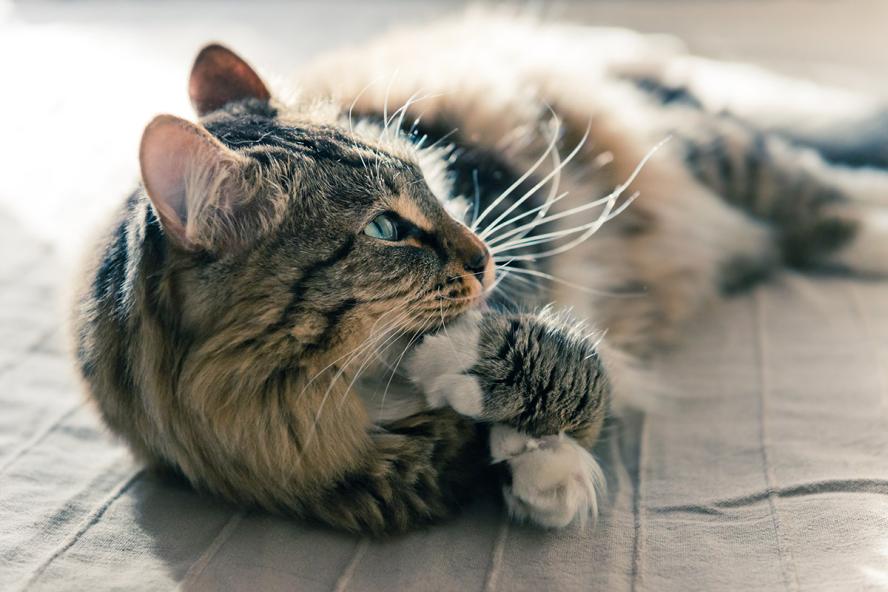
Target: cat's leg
column 416, row 471
column 540, row 373
column 823, row 214
column 845, row 127
column 544, row 385
column 811, row 160
column 554, row 479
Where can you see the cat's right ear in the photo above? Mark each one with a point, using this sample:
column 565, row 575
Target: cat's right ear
column 190, row 177
column 219, row 76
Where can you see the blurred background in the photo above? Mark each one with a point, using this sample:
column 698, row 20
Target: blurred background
column 81, row 78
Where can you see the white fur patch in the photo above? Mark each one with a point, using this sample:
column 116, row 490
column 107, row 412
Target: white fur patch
column 461, row 391
column 555, row 481
column 868, row 251
column 438, row 366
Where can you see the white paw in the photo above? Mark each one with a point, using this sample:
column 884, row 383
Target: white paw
column 438, row 367
column 554, row 480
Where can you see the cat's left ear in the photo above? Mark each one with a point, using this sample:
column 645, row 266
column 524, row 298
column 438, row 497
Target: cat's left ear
column 219, row 76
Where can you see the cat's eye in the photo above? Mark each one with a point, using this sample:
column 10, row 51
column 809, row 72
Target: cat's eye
column 383, row 227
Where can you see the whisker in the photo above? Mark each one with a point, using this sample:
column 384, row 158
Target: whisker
column 556, row 234
column 385, row 102
column 342, row 357
column 520, row 179
column 367, row 345
column 357, row 98
column 374, row 353
column 606, row 214
column 582, row 288
column 477, row 196
column 543, row 181
column 415, row 124
column 442, row 138
column 388, row 384
column 552, row 197
column 401, row 110
column 413, row 100
column 533, row 224
column 422, row 141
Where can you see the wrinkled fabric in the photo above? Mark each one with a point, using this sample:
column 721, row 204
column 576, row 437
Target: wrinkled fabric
column 762, row 466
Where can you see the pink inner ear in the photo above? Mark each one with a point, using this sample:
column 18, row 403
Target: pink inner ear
column 172, row 150
column 219, row 76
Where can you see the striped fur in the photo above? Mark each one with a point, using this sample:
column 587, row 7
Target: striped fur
column 257, row 347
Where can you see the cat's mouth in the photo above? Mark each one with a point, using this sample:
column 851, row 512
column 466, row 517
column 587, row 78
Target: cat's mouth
column 459, row 291
column 465, row 295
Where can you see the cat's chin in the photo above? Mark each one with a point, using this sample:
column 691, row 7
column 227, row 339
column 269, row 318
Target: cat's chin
column 477, row 304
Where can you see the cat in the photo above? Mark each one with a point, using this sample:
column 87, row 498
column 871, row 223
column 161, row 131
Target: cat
column 335, row 307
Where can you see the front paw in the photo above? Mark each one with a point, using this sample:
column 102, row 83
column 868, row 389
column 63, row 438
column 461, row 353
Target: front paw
column 439, row 367
column 554, row 480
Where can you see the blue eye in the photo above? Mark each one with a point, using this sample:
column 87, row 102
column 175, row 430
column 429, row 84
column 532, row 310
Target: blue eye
column 383, row 227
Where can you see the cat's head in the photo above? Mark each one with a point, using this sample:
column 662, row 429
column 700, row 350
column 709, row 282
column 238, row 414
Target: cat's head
column 289, row 227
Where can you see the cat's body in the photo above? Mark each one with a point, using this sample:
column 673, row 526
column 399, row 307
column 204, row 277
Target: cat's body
column 253, row 307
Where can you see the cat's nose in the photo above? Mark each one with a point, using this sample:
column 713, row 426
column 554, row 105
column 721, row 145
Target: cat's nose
column 476, row 264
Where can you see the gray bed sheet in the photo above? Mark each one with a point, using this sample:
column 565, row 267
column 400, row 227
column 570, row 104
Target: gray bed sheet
column 764, row 468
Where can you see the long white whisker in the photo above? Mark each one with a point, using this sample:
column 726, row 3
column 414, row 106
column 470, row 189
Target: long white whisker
column 553, row 196
column 398, row 363
column 368, row 345
column 552, row 278
column 357, row 98
column 442, row 138
column 556, row 234
column 413, row 100
column 543, row 181
column 374, row 353
column 401, row 110
column 522, row 178
column 605, row 216
column 556, row 168
column 370, row 335
column 533, row 224
column 385, row 103
column 477, row 195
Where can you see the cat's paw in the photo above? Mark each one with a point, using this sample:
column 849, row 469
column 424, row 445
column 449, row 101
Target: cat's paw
column 555, row 481
column 866, row 252
column 439, row 367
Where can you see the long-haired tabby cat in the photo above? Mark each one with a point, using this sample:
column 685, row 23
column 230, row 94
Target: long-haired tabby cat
column 333, row 307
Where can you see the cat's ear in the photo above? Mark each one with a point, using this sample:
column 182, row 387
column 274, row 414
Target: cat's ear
column 220, row 76
column 190, row 177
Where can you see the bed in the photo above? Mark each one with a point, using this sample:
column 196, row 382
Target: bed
column 764, row 467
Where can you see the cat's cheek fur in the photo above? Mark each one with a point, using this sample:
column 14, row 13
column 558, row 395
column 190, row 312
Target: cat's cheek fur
column 440, row 365
column 555, row 481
